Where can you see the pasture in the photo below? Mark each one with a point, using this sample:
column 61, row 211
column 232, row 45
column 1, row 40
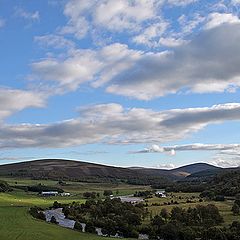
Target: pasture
column 16, row 223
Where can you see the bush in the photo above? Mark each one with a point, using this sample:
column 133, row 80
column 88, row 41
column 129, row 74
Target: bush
column 89, row 195
column 4, row 187
column 90, row 228
column 42, row 188
column 235, row 209
column 78, row 226
column 53, row 220
column 36, row 212
column 107, row 193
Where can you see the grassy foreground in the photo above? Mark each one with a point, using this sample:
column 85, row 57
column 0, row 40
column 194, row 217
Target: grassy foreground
column 16, row 223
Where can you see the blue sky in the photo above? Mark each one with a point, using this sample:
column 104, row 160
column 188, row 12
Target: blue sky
column 151, row 83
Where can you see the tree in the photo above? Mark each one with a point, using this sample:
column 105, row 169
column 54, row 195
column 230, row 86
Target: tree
column 78, row 226
column 56, row 204
column 164, row 213
column 53, row 220
column 107, row 193
column 235, row 209
column 214, row 233
column 90, row 227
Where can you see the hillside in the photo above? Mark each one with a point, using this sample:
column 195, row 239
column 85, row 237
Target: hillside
column 57, row 169
column 83, row 171
column 178, row 173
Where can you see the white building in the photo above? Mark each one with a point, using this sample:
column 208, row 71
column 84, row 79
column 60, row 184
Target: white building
column 49, row 194
column 161, row 194
column 65, row 194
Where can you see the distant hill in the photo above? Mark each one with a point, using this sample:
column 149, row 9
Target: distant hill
column 180, row 172
column 59, row 169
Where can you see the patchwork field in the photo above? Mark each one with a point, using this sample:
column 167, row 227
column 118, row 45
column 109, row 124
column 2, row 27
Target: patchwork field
column 16, row 223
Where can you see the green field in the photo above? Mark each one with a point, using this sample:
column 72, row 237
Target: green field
column 16, row 223
column 224, row 207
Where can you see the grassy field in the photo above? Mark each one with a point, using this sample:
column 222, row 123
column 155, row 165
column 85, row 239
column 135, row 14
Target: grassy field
column 16, row 223
column 156, row 204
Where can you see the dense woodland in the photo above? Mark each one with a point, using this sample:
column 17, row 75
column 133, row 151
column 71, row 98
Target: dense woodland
column 127, row 220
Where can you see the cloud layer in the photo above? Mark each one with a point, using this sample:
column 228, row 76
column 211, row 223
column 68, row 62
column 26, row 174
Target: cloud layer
column 209, row 63
column 112, row 124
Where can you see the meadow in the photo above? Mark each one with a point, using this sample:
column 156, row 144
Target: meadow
column 16, row 222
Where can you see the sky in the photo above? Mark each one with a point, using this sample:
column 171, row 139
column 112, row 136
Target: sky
column 151, row 83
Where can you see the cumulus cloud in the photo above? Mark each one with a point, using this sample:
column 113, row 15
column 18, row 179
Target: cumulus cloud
column 112, row 124
column 14, row 100
column 121, row 15
column 235, row 2
column 150, row 36
column 171, row 42
column 85, row 65
column 215, row 19
column 199, row 66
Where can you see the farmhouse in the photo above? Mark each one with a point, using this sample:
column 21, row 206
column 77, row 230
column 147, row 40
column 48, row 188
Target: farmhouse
column 130, row 199
column 65, row 194
column 160, row 194
column 49, row 194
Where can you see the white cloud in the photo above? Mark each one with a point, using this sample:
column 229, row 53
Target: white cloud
column 112, row 124
column 181, row 2
column 13, row 100
column 216, row 19
column 235, row 2
column 54, row 41
column 225, row 162
column 121, row 15
column 171, row 42
column 32, row 16
column 199, row 66
column 223, row 148
column 85, row 65
column 190, row 23
column 151, row 35
column 165, row 166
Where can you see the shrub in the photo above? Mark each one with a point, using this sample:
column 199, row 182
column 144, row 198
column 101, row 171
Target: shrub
column 78, row 226
column 53, row 220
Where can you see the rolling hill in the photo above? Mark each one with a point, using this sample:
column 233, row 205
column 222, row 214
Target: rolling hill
column 64, row 169
column 83, row 171
column 180, row 172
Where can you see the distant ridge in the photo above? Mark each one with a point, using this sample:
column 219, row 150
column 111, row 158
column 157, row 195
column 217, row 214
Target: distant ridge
column 84, row 171
column 180, row 172
column 63, row 169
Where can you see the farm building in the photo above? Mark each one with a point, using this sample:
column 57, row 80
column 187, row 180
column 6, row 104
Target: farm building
column 160, row 194
column 65, row 194
column 49, row 194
